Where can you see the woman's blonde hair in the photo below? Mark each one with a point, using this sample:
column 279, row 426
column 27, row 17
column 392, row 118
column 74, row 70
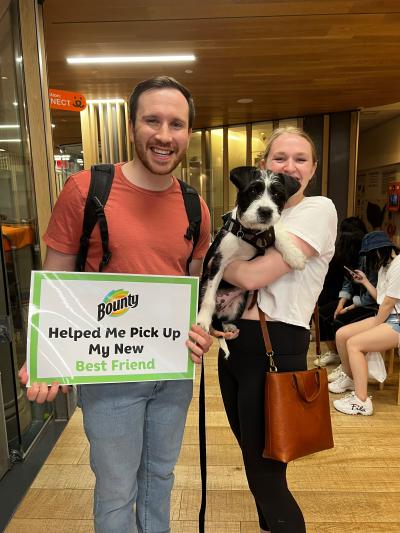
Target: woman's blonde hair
column 292, row 131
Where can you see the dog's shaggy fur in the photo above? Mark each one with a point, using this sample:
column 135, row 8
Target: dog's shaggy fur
column 251, row 227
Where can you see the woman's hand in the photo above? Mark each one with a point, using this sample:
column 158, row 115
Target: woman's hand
column 199, row 342
column 40, row 392
column 360, row 277
column 346, row 310
column 340, row 307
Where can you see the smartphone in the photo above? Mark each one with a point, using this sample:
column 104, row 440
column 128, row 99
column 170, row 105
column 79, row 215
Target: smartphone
column 351, row 272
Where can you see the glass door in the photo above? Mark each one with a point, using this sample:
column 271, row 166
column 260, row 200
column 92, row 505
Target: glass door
column 19, row 245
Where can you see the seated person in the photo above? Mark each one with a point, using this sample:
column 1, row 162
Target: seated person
column 373, row 334
column 351, row 232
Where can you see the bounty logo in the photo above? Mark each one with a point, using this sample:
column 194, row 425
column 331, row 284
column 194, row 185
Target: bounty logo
column 116, row 303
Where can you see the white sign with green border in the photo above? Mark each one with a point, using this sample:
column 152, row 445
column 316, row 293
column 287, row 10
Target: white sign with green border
column 105, row 328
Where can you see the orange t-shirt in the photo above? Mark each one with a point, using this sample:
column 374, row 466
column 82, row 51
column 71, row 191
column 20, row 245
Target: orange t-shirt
column 146, row 228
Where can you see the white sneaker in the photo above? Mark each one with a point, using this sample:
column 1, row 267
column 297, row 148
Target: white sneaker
column 352, row 405
column 341, row 384
column 326, row 359
column 335, row 374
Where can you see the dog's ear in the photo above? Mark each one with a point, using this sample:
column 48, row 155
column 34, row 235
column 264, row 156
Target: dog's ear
column 291, row 184
column 242, row 176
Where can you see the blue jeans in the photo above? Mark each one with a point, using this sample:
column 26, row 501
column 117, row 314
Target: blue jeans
column 393, row 321
column 135, row 432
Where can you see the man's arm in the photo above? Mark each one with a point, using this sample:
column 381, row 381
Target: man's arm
column 41, row 392
column 195, row 267
column 58, row 261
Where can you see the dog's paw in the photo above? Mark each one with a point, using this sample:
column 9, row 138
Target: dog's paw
column 230, row 331
column 204, row 326
column 224, row 347
column 204, row 321
column 295, row 259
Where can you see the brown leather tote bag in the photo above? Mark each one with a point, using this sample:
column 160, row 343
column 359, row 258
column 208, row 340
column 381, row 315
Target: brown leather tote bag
column 297, row 414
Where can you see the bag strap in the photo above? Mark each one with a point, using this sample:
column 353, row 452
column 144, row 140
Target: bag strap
column 191, row 200
column 100, row 185
column 317, row 334
column 267, row 341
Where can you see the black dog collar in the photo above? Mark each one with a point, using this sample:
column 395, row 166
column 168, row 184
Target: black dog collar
column 260, row 240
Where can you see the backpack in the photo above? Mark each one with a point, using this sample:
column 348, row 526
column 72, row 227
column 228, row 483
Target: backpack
column 100, row 185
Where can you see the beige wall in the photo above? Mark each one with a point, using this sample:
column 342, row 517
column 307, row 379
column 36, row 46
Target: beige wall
column 380, row 146
column 379, row 165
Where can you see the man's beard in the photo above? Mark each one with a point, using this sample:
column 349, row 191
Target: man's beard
column 154, row 168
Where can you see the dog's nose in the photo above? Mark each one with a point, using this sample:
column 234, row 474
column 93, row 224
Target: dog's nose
column 264, row 213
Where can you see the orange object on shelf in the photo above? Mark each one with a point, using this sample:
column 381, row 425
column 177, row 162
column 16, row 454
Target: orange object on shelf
column 17, row 236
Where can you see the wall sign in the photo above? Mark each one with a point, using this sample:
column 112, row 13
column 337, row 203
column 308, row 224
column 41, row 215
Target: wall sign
column 67, row 101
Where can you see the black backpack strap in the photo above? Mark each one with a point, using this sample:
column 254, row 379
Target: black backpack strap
column 100, row 185
column 193, row 210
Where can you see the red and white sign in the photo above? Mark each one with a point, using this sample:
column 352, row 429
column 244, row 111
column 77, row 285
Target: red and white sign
column 67, row 101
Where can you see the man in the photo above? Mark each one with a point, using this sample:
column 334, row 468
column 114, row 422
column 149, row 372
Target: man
column 135, row 430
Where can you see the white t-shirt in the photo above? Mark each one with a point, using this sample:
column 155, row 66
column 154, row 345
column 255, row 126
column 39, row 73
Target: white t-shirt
column 291, row 298
column 389, row 282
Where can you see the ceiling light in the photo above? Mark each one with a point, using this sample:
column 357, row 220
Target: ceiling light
column 8, row 126
column 18, row 59
column 4, row 78
column 106, row 101
column 53, row 125
column 129, row 59
column 10, row 140
column 245, row 100
column 188, row 71
column 15, row 103
column 2, row 150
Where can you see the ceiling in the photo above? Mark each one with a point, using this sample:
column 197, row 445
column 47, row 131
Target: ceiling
column 292, row 57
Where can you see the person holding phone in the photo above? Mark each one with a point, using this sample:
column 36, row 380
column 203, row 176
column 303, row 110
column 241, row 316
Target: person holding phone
column 374, row 334
column 347, row 252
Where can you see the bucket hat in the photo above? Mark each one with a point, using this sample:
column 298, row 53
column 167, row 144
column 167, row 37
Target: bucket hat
column 375, row 240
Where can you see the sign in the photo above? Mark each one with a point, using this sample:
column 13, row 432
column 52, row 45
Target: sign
column 66, row 100
column 104, row 328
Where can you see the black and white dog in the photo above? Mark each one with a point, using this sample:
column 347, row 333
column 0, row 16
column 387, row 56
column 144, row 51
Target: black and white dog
column 246, row 232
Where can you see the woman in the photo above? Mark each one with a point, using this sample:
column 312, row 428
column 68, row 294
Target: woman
column 347, row 249
column 287, row 297
column 374, row 334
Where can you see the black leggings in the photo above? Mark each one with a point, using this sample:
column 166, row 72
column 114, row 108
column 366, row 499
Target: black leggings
column 241, row 379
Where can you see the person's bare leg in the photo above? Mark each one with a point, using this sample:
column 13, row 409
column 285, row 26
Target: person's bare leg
column 344, row 334
column 377, row 339
column 331, row 345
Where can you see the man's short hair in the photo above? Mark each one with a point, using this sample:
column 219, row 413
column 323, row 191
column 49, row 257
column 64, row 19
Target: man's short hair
column 159, row 82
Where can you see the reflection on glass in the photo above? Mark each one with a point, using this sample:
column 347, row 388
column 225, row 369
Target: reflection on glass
column 260, row 134
column 286, row 122
column 237, row 156
column 68, row 160
column 194, row 162
column 18, row 235
column 217, row 177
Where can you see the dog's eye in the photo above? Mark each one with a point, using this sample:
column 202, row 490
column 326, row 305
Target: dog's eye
column 254, row 189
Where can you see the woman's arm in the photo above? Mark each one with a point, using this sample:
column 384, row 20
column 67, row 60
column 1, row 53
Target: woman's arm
column 261, row 271
column 385, row 309
column 363, row 280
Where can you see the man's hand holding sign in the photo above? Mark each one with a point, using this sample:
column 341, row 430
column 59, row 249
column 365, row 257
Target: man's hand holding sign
column 102, row 328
